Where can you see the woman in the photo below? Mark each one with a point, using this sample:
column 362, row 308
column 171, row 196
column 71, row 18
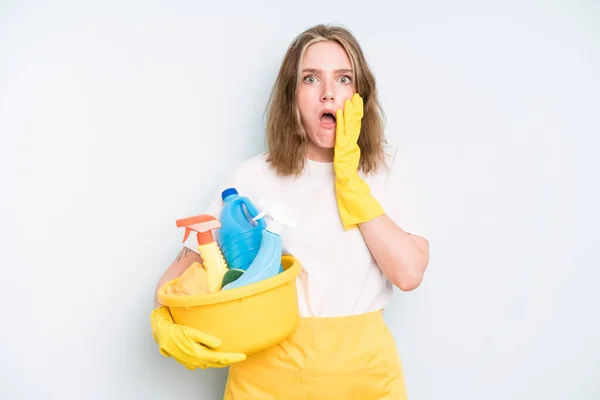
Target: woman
column 359, row 232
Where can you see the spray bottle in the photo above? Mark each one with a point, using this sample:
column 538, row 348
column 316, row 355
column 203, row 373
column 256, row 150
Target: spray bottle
column 213, row 260
column 268, row 259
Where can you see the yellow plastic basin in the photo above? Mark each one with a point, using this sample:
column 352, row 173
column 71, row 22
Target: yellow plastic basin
column 247, row 319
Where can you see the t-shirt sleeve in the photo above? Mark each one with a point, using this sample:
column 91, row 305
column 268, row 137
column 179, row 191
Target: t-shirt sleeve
column 403, row 204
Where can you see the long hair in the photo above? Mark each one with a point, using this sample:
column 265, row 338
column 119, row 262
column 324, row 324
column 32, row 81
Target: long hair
column 286, row 138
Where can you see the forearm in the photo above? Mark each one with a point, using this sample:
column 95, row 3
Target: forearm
column 402, row 257
column 184, row 259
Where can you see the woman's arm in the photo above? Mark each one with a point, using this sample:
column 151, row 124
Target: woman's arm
column 401, row 256
column 184, row 259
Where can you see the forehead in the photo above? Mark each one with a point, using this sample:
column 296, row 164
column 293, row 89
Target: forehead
column 326, row 56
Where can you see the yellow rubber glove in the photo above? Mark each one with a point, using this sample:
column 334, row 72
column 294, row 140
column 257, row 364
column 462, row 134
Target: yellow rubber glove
column 356, row 204
column 188, row 346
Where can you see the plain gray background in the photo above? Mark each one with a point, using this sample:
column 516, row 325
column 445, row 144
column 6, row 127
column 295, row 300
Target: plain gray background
column 117, row 118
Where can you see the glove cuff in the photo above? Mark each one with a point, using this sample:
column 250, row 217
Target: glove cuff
column 356, row 204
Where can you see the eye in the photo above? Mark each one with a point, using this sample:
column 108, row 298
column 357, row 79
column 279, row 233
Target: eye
column 310, row 79
column 345, row 80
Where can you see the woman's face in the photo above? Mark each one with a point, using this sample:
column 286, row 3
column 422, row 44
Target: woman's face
column 327, row 81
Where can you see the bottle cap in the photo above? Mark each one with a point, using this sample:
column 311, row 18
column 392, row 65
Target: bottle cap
column 228, row 192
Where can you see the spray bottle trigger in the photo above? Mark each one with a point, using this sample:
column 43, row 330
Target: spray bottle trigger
column 260, row 215
column 279, row 216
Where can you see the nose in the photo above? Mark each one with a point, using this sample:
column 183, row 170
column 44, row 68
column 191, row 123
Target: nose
column 327, row 95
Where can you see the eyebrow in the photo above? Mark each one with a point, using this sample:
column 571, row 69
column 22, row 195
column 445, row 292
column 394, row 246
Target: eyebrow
column 337, row 71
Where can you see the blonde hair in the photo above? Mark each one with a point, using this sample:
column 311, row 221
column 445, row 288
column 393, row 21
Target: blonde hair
column 286, row 138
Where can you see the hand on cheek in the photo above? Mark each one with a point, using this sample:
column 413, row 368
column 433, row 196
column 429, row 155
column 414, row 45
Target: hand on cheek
column 355, row 202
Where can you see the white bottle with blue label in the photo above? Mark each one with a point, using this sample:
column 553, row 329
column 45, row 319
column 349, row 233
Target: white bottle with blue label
column 268, row 260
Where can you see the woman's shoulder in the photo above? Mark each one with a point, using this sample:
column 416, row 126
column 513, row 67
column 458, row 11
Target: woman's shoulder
column 255, row 165
column 389, row 151
column 396, row 163
column 256, row 169
column 392, row 156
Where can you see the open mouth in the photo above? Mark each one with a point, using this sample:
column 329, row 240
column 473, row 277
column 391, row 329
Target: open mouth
column 327, row 120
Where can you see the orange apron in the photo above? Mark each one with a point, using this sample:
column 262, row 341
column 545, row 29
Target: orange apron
column 342, row 358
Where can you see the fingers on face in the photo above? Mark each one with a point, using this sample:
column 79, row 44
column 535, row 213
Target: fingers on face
column 339, row 125
column 352, row 113
column 357, row 105
column 354, row 108
column 349, row 112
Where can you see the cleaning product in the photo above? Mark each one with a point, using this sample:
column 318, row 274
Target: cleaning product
column 214, row 264
column 239, row 236
column 268, row 260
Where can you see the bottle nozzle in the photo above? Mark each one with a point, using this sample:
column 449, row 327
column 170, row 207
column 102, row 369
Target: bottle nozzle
column 202, row 225
column 280, row 216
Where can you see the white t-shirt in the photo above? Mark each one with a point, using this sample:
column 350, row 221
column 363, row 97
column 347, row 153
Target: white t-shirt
column 339, row 276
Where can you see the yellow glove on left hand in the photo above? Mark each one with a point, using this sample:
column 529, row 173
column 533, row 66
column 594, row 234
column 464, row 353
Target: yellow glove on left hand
column 188, row 346
column 356, row 204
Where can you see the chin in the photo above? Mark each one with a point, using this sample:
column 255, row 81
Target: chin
column 325, row 140
column 321, row 149
column 326, row 145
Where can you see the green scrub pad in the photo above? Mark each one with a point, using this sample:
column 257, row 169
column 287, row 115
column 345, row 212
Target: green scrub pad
column 231, row 275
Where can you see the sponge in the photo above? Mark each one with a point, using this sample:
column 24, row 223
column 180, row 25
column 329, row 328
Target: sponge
column 231, row 275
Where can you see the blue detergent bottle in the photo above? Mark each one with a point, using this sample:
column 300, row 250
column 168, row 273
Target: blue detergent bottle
column 268, row 260
column 239, row 236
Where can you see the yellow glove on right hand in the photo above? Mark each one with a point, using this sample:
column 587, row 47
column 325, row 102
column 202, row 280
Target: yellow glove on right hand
column 188, row 346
